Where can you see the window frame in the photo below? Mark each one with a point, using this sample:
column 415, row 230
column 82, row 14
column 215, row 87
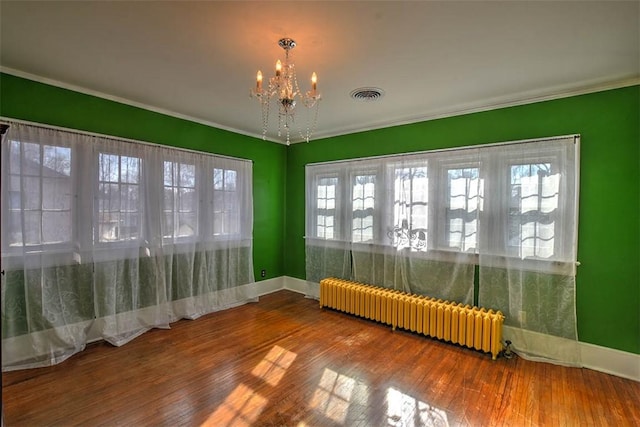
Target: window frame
column 142, row 188
column 41, row 247
column 312, row 214
column 198, row 190
column 554, row 160
column 236, row 234
column 390, row 212
column 442, row 191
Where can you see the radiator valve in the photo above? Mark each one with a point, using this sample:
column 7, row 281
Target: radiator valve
column 508, row 354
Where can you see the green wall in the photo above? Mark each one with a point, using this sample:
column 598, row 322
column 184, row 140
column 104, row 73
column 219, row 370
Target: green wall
column 27, row 100
column 608, row 281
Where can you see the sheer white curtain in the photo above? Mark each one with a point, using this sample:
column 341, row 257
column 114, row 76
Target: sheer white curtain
column 528, row 253
column 105, row 238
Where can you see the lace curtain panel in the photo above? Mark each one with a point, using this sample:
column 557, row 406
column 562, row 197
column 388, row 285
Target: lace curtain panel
column 428, row 223
column 105, row 238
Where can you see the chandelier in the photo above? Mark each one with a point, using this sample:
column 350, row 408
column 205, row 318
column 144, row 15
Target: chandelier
column 284, row 89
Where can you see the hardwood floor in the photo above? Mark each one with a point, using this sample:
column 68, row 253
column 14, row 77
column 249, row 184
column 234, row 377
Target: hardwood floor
column 285, row 362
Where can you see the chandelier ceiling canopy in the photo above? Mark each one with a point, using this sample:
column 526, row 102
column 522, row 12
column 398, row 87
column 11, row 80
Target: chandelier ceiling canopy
column 283, row 88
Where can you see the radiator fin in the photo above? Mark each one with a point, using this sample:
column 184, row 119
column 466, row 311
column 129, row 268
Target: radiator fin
column 473, row 327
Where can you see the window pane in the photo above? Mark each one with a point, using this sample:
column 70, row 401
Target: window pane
column 326, row 203
column 218, row 179
column 130, row 169
column 230, row 180
column 108, row 229
column 56, row 194
column 410, row 208
column 31, row 155
column 461, row 210
column 39, row 178
column 168, row 199
column 187, row 175
column 225, row 202
column 32, row 222
column 168, row 224
column 108, row 197
column 56, row 226
column 15, row 165
column 130, row 198
column 15, row 200
column 187, row 224
column 109, row 170
column 363, row 208
column 57, row 160
column 187, row 200
column 533, row 203
column 14, row 225
column 119, row 195
column 168, row 174
column 32, row 193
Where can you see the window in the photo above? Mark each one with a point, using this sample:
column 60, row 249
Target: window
column 410, row 207
column 119, row 207
column 363, row 202
column 39, row 194
column 533, row 203
column 461, row 208
column 326, row 207
column 180, row 200
column 225, row 202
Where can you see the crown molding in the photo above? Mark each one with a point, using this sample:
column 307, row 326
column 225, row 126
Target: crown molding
column 524, row 98
column 85, row 91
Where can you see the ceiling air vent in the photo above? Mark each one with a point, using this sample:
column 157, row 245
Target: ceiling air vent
column 367, row 94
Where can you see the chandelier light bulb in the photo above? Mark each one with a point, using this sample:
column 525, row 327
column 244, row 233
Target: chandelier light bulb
column 278, row 68
column 259, row 81
column 314, row 81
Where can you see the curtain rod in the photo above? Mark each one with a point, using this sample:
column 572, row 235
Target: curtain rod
column 6, row 121
column 575, row 136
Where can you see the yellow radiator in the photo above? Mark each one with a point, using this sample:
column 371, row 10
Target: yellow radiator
column 473, row 327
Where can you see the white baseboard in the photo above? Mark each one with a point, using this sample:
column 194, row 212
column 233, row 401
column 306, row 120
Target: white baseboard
column 304, row 287
column 268, row 286
column 611, row 361
column 308, row 289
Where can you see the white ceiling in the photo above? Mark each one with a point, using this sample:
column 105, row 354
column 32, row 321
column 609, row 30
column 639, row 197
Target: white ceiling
column 198, row 59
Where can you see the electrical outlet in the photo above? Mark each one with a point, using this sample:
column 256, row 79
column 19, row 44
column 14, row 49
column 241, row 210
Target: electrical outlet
column 263, row 273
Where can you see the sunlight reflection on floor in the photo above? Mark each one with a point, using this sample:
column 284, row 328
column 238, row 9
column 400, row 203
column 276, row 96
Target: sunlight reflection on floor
column 338, row 397
column 333, row 395
column 243, row 406
column 345, row 400
column 273, row 366
column 403, row 410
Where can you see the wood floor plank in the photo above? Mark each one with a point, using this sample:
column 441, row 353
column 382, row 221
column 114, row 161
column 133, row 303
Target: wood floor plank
column 285, row 362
